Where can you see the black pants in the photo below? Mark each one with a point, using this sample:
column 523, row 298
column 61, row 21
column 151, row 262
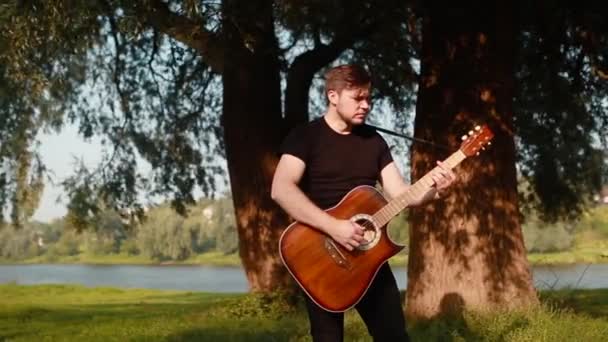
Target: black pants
column 380, row 309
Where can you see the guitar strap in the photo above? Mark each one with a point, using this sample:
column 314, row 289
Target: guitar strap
column 443, row 147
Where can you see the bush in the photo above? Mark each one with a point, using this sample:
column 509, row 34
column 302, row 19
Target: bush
column 541, row 237
column 164, row 236
column 398, row 229
column 598, row 221
column 67, row 245
column 272, row 305
column 19, row 244
column 129, row 247
column 97, row 244
column 227, row 240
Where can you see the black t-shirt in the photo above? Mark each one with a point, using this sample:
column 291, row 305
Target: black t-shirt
column 336, row 163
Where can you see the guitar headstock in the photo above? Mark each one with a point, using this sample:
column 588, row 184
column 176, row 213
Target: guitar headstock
column 476, row 140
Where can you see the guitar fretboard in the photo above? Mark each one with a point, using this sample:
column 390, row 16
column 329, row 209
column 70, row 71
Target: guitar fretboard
column 413, row 193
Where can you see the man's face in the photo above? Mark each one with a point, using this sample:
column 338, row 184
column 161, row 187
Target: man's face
column 352, row 105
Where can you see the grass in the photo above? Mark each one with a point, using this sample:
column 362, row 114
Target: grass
column 76, row 313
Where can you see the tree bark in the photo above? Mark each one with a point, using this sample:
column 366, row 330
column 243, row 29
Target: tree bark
column 467, row 250
column 253, row 128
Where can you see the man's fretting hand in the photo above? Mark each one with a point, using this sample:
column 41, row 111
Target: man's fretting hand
column 443, row 176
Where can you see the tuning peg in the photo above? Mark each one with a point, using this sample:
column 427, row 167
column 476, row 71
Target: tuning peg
column 477, row 153
column 489, row 143
column 464, row 137
column 470, row 132
column 477, row 128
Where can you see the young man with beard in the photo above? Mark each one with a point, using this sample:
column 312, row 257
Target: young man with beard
column 320, row 163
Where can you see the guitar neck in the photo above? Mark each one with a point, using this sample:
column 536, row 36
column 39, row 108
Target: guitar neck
column 414, row 192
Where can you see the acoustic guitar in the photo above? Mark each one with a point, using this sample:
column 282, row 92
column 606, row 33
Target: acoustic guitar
column 336, row 278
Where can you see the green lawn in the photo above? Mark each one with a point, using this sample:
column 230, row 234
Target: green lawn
column 76, row 313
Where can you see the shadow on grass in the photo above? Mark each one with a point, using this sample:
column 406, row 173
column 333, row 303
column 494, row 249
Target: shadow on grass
column 36, row 323
column 213, row 334
column 194, row 317
column 7, row 338
column 446, row 325
column 104, row 312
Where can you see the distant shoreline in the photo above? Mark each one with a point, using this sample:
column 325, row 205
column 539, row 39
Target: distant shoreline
column 216, row 259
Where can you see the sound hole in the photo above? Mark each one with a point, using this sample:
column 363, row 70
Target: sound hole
column 369, row 232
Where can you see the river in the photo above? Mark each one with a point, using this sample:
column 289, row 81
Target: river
column 232, row 279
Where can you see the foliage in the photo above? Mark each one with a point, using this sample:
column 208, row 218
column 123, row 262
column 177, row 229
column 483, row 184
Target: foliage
column 144, row 76
column 210, row 233
column 67, row 245
column 208, row 226
column 18, row 244
column 541, row 237
column 271, row 306
column 129, row 247
column 596, row 220
column 398, row 229
column 92, row 65
column 224, row 227
column 106, row 237
column 559, row 107
column 164, row 236
column 37, row 82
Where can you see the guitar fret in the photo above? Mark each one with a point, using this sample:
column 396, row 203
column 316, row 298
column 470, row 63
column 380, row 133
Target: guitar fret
column 415, row 191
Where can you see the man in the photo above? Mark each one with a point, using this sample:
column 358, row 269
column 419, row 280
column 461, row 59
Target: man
column 320, row 163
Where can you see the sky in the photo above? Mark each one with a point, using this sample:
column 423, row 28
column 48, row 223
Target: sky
column 59, row 153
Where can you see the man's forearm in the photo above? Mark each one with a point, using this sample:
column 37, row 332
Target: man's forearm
column 301, row 208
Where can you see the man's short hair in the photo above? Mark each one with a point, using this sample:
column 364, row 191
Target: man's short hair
column 346, row 76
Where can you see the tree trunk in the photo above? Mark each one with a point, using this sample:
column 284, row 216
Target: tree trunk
column 467, row 249
column 254, row 128
column 252, row 131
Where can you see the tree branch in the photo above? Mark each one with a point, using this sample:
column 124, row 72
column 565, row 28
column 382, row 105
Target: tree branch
column 600, row 73
column 303, row 68
column 185, row 30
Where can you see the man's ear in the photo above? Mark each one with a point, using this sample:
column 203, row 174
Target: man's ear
column 332, row 96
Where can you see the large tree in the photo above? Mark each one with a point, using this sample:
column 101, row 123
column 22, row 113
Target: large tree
column 165, row 69
column 467, row 250
column 150, row 76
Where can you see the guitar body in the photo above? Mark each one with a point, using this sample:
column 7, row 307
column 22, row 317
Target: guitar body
column 333, row 277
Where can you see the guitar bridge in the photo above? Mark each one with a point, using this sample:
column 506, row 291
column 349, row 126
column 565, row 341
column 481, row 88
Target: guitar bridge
column 335, row 254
